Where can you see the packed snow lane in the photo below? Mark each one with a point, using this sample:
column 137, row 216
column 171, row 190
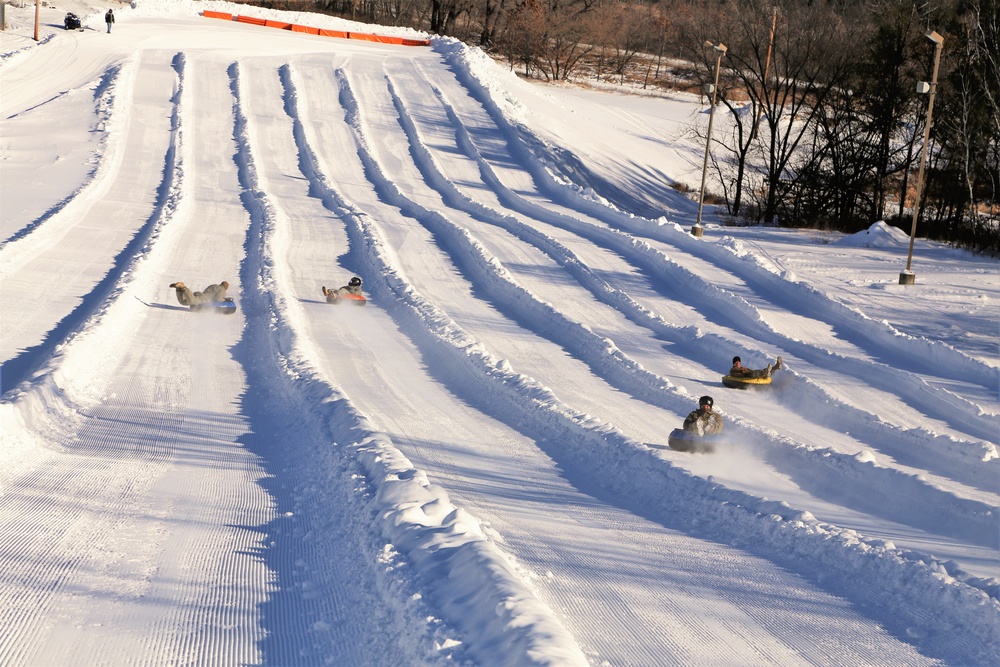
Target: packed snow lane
column 112, row 214
column 503, row 477
column 144, row 516
column 536, row 271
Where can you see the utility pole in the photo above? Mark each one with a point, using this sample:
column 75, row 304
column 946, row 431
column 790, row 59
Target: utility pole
column 720, row 50
column 907, row 277
column 767, row 69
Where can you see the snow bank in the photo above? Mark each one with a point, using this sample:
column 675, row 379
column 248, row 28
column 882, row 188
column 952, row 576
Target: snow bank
column 879, row 235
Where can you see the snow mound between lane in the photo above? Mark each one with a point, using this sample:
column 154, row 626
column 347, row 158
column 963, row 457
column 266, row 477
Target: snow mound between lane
column 879, row 235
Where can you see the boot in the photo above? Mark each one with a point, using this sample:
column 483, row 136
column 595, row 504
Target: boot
column 777, row 366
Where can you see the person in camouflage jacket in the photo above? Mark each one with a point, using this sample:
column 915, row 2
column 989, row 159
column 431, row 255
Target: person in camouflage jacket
column 211, row 294
column 740, row 371
column 704, row 421
column 352, row 287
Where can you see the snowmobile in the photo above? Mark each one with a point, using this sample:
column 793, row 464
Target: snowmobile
column 686, row 441
column 226, row 307
column 72, row 22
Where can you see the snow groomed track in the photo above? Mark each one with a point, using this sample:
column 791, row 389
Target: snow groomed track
column 473, row 468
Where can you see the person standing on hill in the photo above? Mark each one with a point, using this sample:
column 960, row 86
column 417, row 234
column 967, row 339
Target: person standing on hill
column 109, row 18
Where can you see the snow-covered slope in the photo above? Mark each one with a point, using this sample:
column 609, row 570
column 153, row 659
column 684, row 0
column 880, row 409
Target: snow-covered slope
column 473, row 468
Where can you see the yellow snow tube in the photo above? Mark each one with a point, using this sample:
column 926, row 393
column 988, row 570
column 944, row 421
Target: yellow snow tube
column 744, row 382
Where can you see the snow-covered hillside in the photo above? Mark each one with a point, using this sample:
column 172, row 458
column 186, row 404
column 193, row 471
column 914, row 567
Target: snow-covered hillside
column 472, row 469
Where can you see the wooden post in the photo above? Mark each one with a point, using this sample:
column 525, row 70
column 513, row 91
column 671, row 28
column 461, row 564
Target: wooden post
column 907, row 277
column 767, row 68
column 720, row 50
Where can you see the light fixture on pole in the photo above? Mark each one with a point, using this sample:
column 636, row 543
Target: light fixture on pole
column 907, row 277
column 720, row 50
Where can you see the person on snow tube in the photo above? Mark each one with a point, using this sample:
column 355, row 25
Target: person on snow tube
column 212, row 294
column 704, row 421
column 740, row 371
column 352, row 287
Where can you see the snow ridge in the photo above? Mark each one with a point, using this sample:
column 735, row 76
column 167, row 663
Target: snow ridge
column 112, row 94
column 60, row 383
column 973, row 521
column 417, row 517
column 478, row 76
column 589, row 444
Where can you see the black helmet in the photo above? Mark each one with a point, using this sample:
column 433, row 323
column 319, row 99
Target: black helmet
column 706, row 400
column 737, row 359
column 355, row 282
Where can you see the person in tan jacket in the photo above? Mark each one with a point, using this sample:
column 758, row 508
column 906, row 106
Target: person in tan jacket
column 740, row 371
column 212, row 294
column 353, row 286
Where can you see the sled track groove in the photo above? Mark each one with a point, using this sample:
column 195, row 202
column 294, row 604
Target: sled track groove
column 216, row 494
column 388, row 297
column 459, row 244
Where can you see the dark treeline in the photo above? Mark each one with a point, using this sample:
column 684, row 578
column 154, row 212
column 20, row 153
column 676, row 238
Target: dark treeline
column 828, row 124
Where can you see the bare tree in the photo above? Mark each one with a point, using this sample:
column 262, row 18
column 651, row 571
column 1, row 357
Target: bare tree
column 808, row 62
column 524, row 39
column 490, row 12
column 966, row 132
column 774, row 77
column 885, row 88
column 628, row 29
column 551, row 36
column 750, row 38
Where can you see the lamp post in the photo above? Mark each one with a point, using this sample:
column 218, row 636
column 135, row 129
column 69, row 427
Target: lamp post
column 720, row 50
column 907, row 277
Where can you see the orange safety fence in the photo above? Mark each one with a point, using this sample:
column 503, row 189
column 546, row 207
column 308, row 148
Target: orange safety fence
column 381, row 39
column 251, row 19
column 282, row 25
